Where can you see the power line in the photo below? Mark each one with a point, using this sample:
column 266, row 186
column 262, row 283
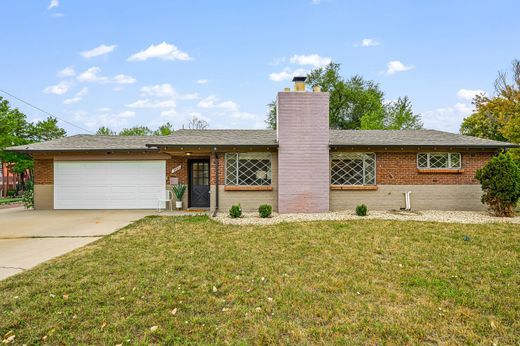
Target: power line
column 44, row 111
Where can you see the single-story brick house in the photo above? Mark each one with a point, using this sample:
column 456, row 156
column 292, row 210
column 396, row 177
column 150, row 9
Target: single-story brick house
column 300, row 167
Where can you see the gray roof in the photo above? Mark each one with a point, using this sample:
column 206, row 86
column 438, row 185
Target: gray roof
column 265, row 138
column 410, row 138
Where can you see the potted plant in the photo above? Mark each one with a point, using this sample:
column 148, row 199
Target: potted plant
column 179, row 190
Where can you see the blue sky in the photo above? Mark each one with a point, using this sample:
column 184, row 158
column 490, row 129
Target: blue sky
column 125, row 63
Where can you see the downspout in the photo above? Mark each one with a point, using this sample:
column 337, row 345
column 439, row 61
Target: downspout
column 216, row 185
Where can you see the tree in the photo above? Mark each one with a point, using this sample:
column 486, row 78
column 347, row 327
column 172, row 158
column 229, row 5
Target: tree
column 397, row 115
column 164, row 130
column 497, row 117
column 500, row 179
column 105, row 131
column 356, row 99
column 136, row 131
column 197, row 124
column 16, row 130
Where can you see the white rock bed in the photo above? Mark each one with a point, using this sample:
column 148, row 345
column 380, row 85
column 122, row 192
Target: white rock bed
column 466, row 217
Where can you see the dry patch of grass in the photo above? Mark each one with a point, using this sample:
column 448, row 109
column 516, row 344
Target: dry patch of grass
column 192, row 280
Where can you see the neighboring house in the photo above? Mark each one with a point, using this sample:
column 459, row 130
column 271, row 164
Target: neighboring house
column 301, row 167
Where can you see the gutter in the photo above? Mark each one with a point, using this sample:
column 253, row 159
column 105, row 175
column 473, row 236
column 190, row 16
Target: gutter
column 216, row 185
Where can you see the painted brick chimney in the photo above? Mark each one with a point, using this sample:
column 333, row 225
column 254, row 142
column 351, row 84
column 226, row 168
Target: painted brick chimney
column 303, row 150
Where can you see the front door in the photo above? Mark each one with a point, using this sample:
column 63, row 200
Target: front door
column 199, row 183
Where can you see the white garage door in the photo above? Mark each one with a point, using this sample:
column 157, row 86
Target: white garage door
column 108, row 184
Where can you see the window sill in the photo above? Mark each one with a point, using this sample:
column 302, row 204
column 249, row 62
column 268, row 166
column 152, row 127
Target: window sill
column 354, row 187
column 248, row 188
column 451, row 171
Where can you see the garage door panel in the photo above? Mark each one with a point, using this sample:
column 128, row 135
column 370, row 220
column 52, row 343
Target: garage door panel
column 108, row 184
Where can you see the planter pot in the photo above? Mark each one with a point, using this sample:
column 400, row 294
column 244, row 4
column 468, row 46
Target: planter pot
column 178, row 204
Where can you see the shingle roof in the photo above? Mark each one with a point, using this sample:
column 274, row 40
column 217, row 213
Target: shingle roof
column 410, row 138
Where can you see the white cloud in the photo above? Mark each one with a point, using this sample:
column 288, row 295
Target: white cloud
column 158, row 90
column 368, row 42
column 224, row 107
column 311, row 59
column 164, row 51
column 202, row 81
column 149, row 103
column 170, row 113
column 67, row 72
column 316, row 2
column 278, row 61
column 58, row 14
column 103, row 117
column 396, row 66
column 467, row 94
column 287, row 74
column 123, row 79
column 58, row 89
column 77, row 97
column 99, row 50
column 447, row 118
column 92, row 75
column 53, row 4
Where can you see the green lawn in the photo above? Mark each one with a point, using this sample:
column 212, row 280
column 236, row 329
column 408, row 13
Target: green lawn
column 199, row 282
column 10, row 200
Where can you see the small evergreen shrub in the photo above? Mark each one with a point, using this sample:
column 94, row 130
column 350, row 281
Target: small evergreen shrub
column 500, row 180
column 265, row 210
column 235, row 211
column 361, row 210
column 28, row 195
column 11, row 193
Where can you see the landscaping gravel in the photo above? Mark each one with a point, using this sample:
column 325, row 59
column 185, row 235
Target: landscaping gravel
column 468, row 217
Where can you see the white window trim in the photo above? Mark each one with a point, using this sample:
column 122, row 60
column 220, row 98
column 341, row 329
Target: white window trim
column 364, row 168
column 434, row 168
column 237, row 162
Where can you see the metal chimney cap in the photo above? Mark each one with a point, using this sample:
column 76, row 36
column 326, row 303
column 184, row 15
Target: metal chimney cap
column 299, row 79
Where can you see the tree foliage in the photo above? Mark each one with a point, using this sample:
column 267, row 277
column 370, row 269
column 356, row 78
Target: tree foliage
column 164, row 130
column 16, row 130
column 497, row 117
column 105, row 131
column 356, row 103
column 136, row 131
column 500, row 179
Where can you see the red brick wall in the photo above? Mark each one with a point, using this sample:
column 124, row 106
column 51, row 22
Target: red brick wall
column 401, row 169
column 221, row 169
column 182, row 174
column 43, row 171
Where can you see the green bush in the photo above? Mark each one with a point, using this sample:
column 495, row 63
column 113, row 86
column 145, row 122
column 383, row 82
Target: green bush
column 265, row 210
column 178, row 191
column 11, row 193
column 361, row 210
column 28, row 195
column 500, row 180
column 235, row 211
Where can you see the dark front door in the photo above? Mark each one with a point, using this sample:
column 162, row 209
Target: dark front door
column 199, row 183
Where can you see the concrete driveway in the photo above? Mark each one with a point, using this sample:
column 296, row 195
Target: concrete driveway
column 30, row 237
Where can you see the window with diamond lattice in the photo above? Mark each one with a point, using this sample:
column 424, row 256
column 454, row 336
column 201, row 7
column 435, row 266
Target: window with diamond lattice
column 438, row 161
column 353, row 169
column 248, row 169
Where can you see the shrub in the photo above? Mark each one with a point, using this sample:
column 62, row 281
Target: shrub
column 178, row 191
column 28, row 195
column 500, row 180
column 11, row 193
column 361, row 210
column 265, row 210
column 235, row 211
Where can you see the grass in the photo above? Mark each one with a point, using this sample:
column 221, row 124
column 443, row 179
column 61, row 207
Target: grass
column 357, row 282
column 10, row 200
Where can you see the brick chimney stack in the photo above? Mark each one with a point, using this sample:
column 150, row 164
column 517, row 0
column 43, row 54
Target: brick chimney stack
column 303, row 150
